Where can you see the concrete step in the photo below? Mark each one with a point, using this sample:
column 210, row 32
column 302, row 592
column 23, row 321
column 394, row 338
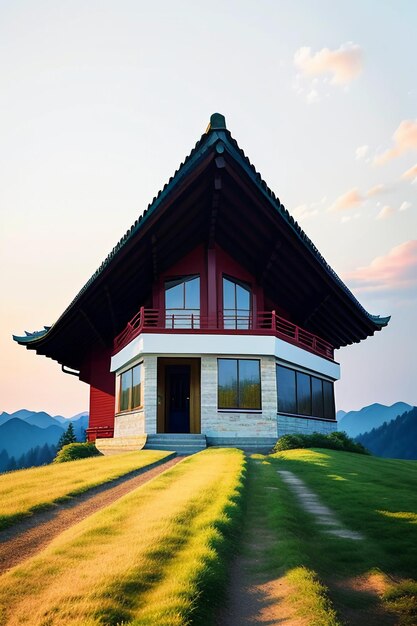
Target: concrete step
column 262, row 445
column 181, row 443
column 188, row 436
column 117, row 445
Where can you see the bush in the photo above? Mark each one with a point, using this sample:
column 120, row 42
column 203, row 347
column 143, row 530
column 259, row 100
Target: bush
column 74, row 451
column 333, row 441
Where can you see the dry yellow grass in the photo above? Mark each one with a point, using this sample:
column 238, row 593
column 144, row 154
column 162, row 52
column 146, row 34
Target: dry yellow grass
column 25, row 491
column 147, row 559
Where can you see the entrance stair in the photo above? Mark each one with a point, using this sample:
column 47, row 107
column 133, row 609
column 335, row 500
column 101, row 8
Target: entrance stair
column 117, row 445
column 180, row 443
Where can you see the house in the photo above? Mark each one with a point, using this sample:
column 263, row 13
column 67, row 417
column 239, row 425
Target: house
column 214, row 315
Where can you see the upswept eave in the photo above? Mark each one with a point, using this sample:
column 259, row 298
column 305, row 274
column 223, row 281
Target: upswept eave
column 215, row 133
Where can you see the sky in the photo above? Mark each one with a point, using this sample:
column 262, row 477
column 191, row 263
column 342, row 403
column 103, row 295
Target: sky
column 100, row 101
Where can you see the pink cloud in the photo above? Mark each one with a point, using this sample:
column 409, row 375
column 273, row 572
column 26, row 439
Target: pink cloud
column 395, row 271
column 385, row 212
column 348, row 200
column 376, row 190
column 344, row 64
column 405, row 140
column 411, row 173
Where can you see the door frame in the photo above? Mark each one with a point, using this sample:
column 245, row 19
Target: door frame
column 195, row 394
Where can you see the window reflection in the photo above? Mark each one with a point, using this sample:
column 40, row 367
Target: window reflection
column 130, row 396
column 236, row 305
column 182, row 302
column 239, row 384
column 302, row 394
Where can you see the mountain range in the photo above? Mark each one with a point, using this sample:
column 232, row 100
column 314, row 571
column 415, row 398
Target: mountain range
column 23, row 430
column 396, row 439
column 355, row 423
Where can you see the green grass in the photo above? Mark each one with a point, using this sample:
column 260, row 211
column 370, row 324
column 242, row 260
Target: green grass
column 156, row 556
column 26, row 491
column 272, row 512
column 376, row 497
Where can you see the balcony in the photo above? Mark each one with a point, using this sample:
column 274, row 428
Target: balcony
column 264, row 323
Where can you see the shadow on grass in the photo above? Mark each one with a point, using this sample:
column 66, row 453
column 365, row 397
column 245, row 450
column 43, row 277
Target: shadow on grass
column 375, row 497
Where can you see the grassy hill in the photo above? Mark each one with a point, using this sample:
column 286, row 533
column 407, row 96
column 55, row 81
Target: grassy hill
column 158, row 555
column 372, row 581
column 396, row 439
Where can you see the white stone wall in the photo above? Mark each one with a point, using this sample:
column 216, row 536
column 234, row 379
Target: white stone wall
column 303, row 426
column 144, row 420
column 150, row 377
column 128, row 424
column 215, row 423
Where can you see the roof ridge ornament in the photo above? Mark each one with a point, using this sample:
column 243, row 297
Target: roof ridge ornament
column 217, row 122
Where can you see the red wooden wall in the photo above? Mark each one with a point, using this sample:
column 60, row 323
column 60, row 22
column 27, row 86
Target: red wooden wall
column 102, row 394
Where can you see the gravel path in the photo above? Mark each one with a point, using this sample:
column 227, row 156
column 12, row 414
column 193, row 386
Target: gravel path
column 32, row 534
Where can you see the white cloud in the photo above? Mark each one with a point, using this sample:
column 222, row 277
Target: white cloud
column 404, row 206
column 313, row 96
column 343, row 64
column 304, row 211
column 404, row 139
column 361, row 152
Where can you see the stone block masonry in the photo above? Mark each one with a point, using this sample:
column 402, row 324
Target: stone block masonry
column 129, row 424
column 288, row 425
column 217, row 423
column 150, row 380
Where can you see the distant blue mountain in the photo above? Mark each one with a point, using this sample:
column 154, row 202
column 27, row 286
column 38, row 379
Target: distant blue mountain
column 396, row 439
column 18, row 437
column 41, row 419
column 355, row 423
column 22, row 430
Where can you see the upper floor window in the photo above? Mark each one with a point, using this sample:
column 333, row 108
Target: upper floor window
column 236, row 304
column 182, row 302
column 130, row 390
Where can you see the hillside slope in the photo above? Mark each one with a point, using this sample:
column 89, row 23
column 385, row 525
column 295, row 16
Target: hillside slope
column 396, row 439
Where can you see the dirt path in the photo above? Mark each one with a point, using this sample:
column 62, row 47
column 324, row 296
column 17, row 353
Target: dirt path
column 253, row 596
column 253, row 600
column 258, row 597
column 29, row 536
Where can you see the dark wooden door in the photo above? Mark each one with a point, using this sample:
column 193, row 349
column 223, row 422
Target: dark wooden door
column 177, row 380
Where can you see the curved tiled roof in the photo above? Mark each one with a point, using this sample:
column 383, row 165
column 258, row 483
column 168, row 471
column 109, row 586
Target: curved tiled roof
column 216, row 134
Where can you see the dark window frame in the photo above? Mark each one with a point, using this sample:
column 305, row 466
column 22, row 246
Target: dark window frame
column 130, row 390
column 308, row 415
column 239, row 408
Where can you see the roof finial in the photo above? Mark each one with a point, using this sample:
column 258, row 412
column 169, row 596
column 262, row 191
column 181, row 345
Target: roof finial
column 217, row 122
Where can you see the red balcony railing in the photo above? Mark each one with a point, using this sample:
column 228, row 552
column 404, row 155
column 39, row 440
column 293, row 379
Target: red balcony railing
column 96, row 432
column 263, row 323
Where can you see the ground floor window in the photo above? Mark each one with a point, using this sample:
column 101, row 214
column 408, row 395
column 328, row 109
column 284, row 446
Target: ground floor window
column 303, row 394
column 239, row 384
column 131, row 389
